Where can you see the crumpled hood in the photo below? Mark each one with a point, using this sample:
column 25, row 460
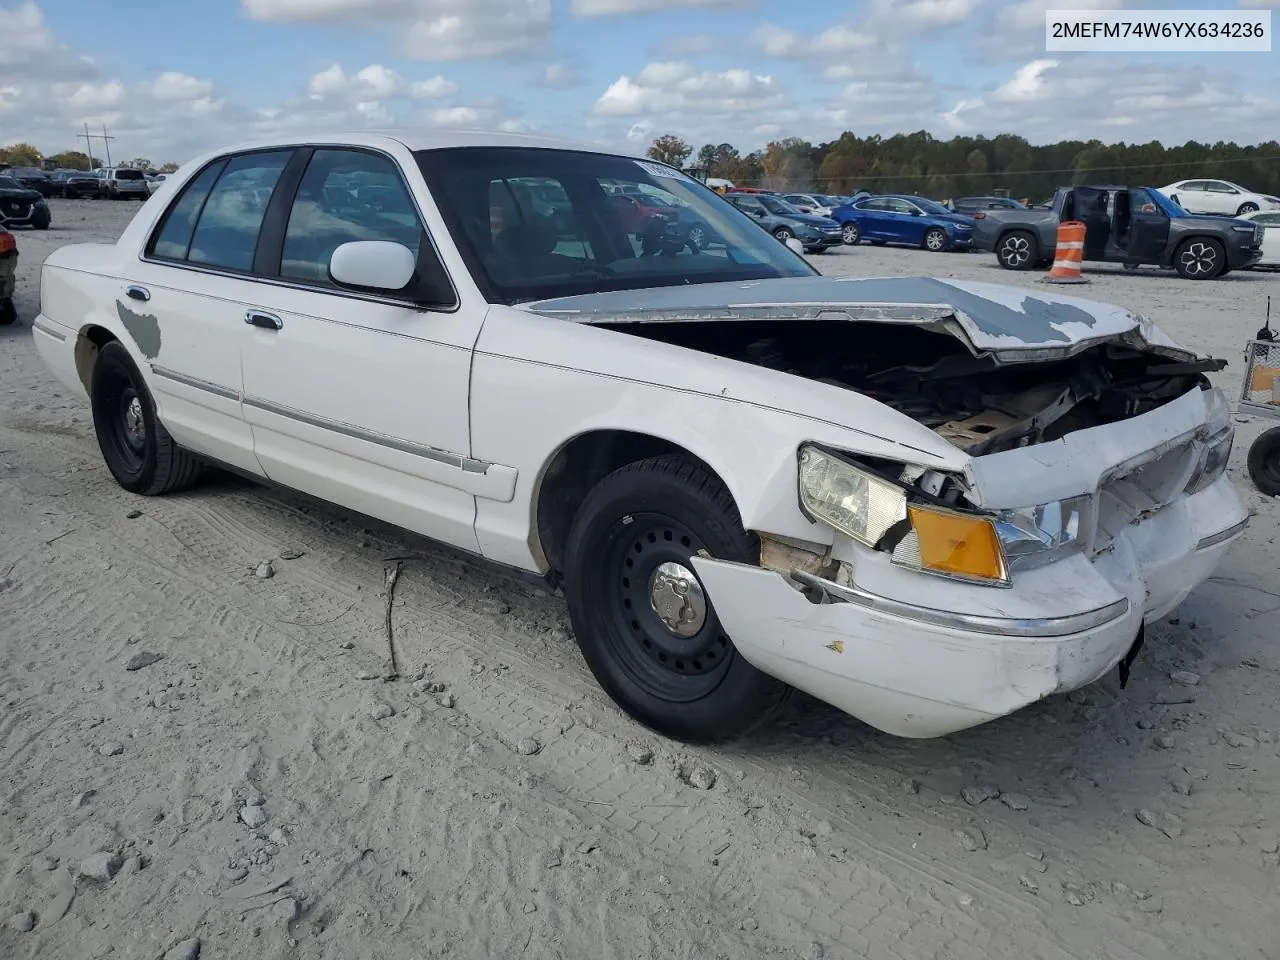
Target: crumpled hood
column 1013, row 323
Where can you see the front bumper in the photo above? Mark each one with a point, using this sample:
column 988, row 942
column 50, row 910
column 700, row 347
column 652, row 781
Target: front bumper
column 1238, row 257
column 822, row 240
column 913, row 669
column 960, row 241
column 16, row 212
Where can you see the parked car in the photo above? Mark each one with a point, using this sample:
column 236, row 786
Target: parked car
column 970, row 205
column 155, row 181
column 819, row 204
column 1128, row 225
column 927, row 502
column 914, row 221
column 1270, row 220
column 658, row 220
column 21, row 206
column 786, row 222
column 123, row 183
column 8, row 276
column 75, row 184
column 1218, row 196
column 32, row 178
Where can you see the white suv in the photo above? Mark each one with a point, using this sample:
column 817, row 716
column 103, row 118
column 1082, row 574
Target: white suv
column 1218, row 196
column 122, row 183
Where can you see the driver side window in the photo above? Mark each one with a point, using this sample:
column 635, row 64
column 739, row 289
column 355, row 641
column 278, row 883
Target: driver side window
column 344, row 196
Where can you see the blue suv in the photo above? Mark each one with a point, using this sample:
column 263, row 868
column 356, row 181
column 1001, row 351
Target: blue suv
column 914, row 221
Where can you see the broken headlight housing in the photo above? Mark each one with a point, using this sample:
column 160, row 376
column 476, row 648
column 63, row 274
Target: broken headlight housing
column 1213, row 460
column 1035, row 536
column 877, row 512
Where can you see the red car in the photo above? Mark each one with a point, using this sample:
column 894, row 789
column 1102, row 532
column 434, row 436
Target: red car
column 8, row 276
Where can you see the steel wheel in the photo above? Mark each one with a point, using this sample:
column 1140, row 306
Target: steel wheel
column 935, row 240
column 850, row 233
column 1200, row 259
column 1016, row 251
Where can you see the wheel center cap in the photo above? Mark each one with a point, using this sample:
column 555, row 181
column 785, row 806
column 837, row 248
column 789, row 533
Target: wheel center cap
column 677, row 598
column 133, row 422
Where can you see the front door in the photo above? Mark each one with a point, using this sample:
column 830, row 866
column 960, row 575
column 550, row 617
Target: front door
column 1148, row 229
column 183, row 305
column 362, row 399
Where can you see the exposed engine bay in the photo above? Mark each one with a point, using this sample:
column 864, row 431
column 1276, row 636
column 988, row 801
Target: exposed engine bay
column 974, row 402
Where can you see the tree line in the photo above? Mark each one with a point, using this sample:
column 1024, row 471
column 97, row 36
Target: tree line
column 25, row 155
column 920, row 163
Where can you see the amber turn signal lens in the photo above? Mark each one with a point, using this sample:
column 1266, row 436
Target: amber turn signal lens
column 958, row 545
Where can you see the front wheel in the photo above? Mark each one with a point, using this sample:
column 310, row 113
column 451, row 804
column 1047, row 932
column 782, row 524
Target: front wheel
column 8, row 312
column 935, row 240
column 1264, row 462
column 645, row 625
column 850, row 233
column 784, row 234
column 41, row 220
column 1017, row 250
column 1247, row 208
column 1200, row 259
column 138, row 450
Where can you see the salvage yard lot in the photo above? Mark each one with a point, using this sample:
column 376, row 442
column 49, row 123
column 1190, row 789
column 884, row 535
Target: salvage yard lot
column 414, row 820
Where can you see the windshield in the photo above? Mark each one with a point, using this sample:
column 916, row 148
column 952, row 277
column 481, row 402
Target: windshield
column 535, row 224
column 928, row 206
column 778, row 205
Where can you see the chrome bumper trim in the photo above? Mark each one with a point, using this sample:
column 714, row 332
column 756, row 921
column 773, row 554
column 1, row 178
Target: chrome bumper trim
column 1026, row 627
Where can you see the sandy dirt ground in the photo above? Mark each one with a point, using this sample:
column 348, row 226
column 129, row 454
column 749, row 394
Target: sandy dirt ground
column 256, row 791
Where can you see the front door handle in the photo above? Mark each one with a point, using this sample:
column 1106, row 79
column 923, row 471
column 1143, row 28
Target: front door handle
column 260, row 318
column 135, row 292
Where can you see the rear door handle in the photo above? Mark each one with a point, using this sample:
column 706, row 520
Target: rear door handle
column 135, row 292
column 260, row 318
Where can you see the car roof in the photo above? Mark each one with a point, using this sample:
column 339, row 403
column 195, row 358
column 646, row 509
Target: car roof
column 424, row 140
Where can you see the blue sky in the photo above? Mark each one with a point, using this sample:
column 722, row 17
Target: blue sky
column 173, row 79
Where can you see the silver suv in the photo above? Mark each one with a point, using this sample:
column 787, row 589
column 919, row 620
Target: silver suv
column 122, row 183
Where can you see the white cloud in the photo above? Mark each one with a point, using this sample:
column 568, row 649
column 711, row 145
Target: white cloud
column 1016, row 31
column 179, row 86
column 29, row 52
column 561, row 76
column 601, row 8
column 376, row 83
column 674, row 88
column 1107, row 98
column 427, row 29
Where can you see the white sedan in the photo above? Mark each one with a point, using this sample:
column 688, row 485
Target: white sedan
column 927, row 502
column 1270, row 220
column 1218, row 196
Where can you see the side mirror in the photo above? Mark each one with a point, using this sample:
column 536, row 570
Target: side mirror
column 373, row 265
column 795, row 246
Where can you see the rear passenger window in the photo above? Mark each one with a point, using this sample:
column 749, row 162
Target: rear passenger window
column 344, row 196
column 227, row 232
column 174, row 236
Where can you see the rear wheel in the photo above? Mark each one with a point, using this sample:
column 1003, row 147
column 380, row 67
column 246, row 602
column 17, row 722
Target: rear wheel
column 1017, row 250
column 138, row 450
column 646, row 627
column 935, row 239
column 850, row 233
column 1264, row 462
column 1200, row 258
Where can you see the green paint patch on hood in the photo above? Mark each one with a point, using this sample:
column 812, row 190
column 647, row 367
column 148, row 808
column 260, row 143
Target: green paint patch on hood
column 143, row 327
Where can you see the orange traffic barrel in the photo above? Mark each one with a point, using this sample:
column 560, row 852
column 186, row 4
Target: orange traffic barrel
column 1068, row 255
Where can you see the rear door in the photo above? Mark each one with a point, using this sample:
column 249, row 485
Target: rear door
column 1193, row 196
column 184, row 302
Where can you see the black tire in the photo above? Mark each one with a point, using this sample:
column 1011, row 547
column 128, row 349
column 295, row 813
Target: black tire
column 41, row 220
column 1264, row 462
column 695, row 688
column 1199, row 258
column 1247, row 207
column 784, row 234
column 135, row 445
column 935, row 240
column 1018, row 250
column 8, row 312
column 850, row 233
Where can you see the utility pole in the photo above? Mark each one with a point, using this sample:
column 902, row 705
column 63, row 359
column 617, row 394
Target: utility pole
column 88, row 139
